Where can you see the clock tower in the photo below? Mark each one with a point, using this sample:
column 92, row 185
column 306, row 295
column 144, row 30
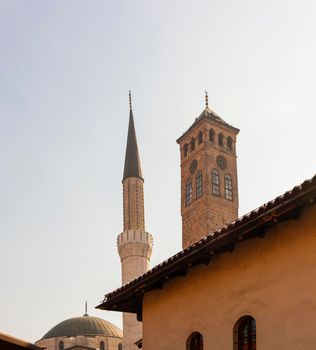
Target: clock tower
column 209, row 189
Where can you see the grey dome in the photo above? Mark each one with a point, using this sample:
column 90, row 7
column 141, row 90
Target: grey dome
column 85, row 325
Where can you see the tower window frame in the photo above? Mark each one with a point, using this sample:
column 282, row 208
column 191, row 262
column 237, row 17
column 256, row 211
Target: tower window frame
column 215, row 182
column 188, row 192
column 102, row 345
column 61, row 345
column 220, row 139
column 211, row 135
column 228, row 186
column 185, row 149
column 200, row 137
column 229, row 143
column 192, row 144
column 199, row 185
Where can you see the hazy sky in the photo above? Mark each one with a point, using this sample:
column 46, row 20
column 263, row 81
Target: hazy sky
column 65, row 71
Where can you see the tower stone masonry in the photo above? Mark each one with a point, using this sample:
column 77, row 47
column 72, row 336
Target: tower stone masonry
column 134, row 243
column 209, row 188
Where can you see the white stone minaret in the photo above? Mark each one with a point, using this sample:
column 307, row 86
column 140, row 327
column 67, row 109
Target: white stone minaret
column 134, row 243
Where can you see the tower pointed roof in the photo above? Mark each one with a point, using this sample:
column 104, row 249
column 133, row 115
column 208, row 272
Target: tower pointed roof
column 209, row 115
column 132, row 166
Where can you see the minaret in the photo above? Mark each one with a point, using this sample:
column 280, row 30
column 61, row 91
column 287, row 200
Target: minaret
column 134, row 243
column 209, row 189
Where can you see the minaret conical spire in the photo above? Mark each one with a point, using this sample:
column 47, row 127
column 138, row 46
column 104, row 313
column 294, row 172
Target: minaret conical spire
column 132, row 166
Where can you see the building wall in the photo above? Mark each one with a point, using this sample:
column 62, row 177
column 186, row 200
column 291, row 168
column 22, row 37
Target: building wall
column 271, row 278
column 111, row 343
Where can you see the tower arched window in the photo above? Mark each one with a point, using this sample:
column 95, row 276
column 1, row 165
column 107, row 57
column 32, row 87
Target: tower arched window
column 220, row 139
column 211, row 135
column 245, row 334
column 229, row 143
column 195, row 341
column 188, row 192
column 192, row 144
column 102, row 346
column 185, row 149
column 228, row 187
column 199, row 185
column 119, row 347
column 215, row 182
column 61, row 346
column 200, row 137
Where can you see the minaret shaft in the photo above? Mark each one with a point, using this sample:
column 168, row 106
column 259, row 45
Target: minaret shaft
column 134, row 243
column 133, row 204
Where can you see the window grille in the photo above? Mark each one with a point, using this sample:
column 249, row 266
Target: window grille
column 188, row 193
column 199, row 184
column 215, row 182
column 228, row 187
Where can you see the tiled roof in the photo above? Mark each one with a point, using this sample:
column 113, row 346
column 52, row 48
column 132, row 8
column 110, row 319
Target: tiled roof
column 254, row 224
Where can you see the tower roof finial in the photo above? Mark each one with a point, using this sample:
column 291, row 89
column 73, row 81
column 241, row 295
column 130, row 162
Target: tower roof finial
column 130, row 99
column 86, row 309
column 206, row 99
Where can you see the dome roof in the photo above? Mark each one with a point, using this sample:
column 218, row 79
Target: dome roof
column 85, row 325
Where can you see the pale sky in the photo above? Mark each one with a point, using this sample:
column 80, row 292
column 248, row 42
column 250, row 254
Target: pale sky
column 65, row 71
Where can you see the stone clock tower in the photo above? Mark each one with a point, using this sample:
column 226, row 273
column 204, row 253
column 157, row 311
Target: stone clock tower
column 134, row 243
column 209, row 189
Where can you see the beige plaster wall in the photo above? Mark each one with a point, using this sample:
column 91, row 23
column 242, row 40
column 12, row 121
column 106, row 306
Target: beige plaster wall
column 272, row 279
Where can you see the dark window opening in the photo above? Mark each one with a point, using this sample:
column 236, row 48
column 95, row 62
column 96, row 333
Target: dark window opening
column 230, row 143
column 119, row 347
column 200, row 137
column 185, row 149
column 188, row 193
column 220, row 139
column 199, row 184
column 245, row 334
column 215, row 182
column 211, row 135
column 192, row 144
column 195, row 341
column 61, row 346
column 228, row 187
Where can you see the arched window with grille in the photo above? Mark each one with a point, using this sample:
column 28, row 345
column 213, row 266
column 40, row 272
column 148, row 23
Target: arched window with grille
column 228, row 187
column 220, row 139
column 245, row 336
column 200, row 137
column 102, row 345
column 229, row 143
column 192, row 144
column 61, row 346
column 211, row 135
column 195, row 341
column 215, row 182
column 185, row 149
column 199, row 185
column 119, row 347
column 188, row 192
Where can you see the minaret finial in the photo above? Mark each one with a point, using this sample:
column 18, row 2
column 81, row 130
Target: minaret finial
column 130, row 99
column 206, row 99
column 86, row 309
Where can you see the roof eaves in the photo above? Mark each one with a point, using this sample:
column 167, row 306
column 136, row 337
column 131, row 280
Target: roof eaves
column 248, row 226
